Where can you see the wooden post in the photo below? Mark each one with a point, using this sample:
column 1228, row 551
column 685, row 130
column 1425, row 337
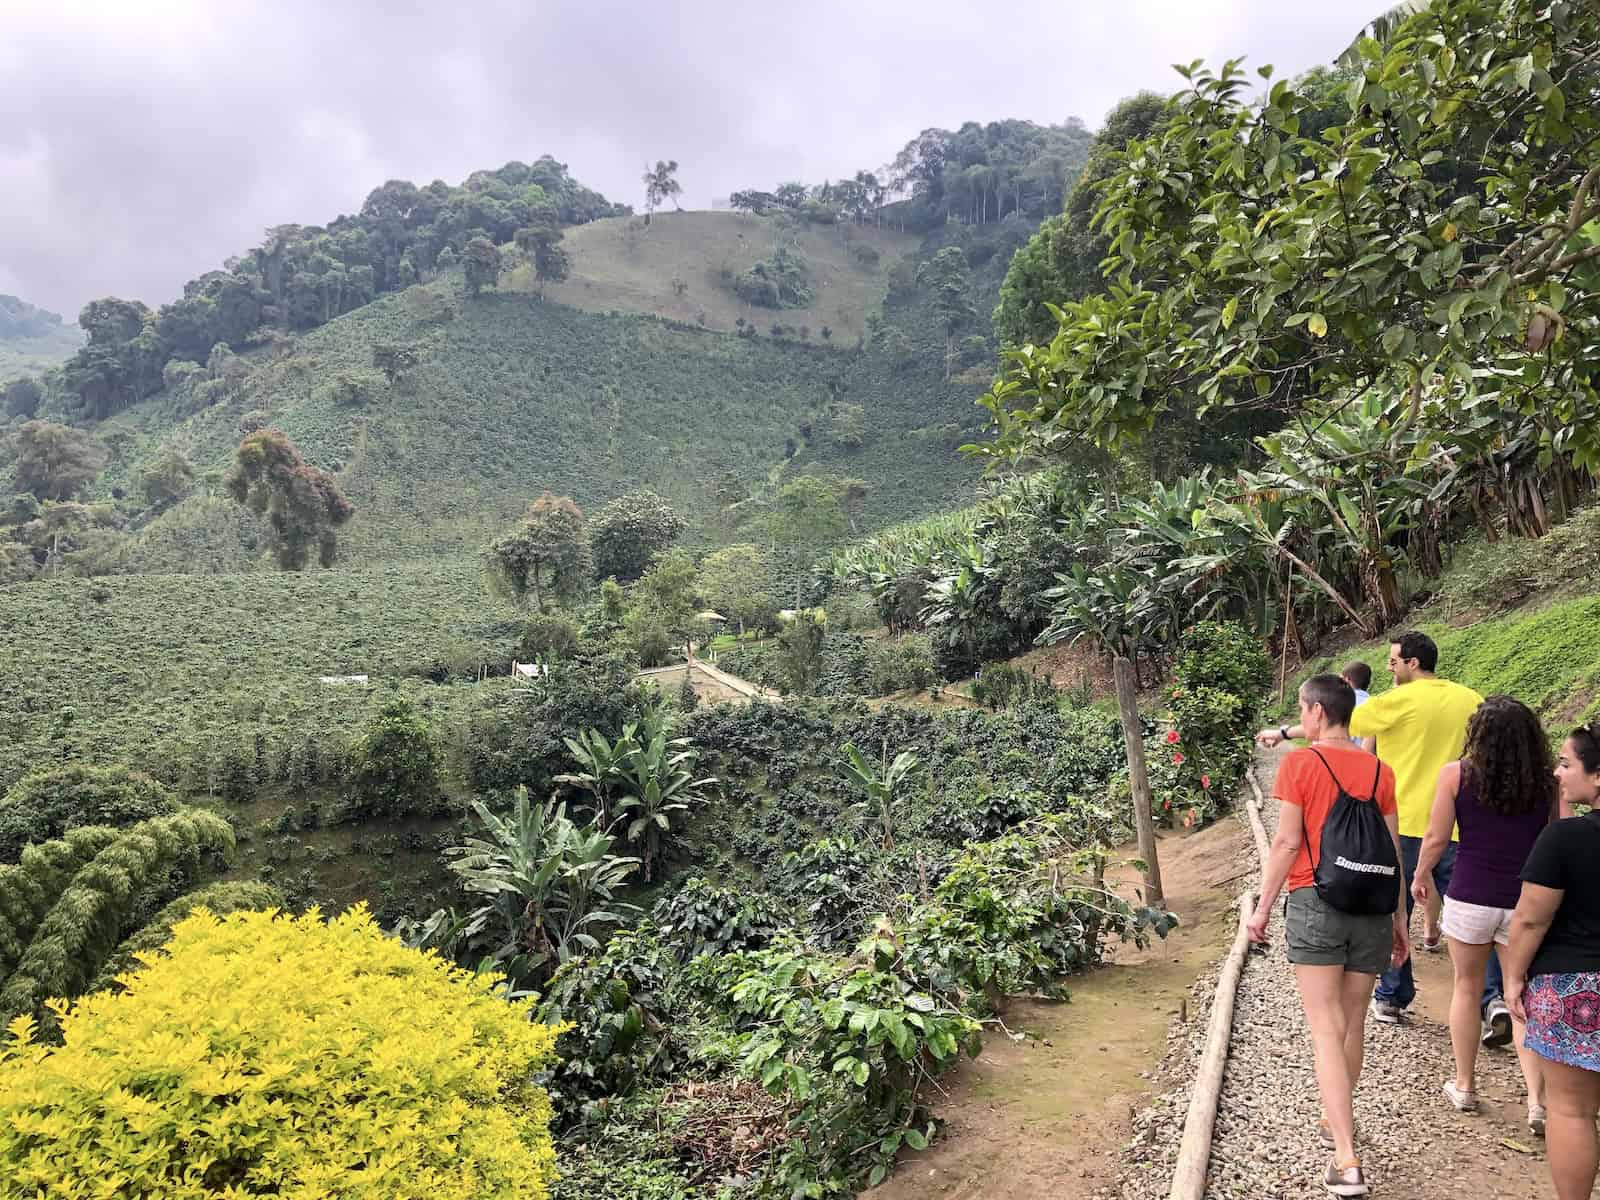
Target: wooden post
column 1288, row 616
column 1138, row 780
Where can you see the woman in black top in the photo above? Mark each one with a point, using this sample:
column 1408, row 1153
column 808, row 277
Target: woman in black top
column 1552, row 966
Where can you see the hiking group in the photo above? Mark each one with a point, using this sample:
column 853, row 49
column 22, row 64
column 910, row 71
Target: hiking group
column 1428, row 794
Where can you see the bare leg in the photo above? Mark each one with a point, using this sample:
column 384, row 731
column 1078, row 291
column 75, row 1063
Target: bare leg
column 1532, row 1065
column 1569, row 1134
column 1466, row 1021
column 1357, row 995
column 1323, row 998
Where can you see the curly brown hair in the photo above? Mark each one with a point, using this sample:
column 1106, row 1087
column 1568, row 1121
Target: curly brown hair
column 1509, row 756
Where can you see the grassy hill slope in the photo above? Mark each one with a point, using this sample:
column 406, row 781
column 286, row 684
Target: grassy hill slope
column 515, row 395
column 31, row 355
column 32, row 339
column 1516, row 618
column 618, row 265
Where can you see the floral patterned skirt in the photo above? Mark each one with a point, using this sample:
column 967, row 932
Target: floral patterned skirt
column 1564, row 1018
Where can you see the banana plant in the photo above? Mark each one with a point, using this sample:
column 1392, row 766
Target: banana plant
column 661, row 782
column 603, row 768
column 549, row 887
column 880, row 782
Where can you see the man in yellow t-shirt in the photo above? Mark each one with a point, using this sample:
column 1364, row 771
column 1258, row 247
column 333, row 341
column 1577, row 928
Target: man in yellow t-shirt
column 1420, row 724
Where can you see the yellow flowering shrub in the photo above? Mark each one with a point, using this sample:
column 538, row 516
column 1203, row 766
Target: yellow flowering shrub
column 293, row 1057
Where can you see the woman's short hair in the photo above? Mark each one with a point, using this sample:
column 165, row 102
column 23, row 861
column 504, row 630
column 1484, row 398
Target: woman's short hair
column 1338, row 698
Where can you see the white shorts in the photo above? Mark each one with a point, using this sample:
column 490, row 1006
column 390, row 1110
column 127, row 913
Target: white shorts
column 1475, row 924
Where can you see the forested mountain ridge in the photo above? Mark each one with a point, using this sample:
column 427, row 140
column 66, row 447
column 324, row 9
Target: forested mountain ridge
column 32, row 339
column 449, row 352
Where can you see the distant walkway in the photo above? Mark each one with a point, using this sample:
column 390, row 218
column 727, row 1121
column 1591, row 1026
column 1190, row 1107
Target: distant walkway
column 715, row 676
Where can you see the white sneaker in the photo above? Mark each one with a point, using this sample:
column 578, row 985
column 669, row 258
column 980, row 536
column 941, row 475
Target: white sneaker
column 1496, row 1023
column 1464, row 1101
column 1383, row 1011
column 1536, row 1120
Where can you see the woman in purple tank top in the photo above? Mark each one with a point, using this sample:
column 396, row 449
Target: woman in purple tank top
column 1499, row 797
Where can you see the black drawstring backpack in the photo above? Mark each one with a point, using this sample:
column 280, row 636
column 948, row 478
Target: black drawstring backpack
column 1357, row 871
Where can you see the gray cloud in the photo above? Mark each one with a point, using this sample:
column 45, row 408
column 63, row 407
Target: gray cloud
column 142, row 144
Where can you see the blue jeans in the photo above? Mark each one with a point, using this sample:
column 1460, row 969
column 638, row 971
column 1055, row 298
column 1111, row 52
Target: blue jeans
column 1396, row 986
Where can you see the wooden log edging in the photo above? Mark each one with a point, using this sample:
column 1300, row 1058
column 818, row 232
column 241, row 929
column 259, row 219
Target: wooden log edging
column 1199, row 1123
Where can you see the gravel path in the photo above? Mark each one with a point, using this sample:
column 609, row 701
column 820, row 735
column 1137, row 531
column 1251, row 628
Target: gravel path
column 1413, row 1144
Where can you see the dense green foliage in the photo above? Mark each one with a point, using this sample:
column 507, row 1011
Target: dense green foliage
column 445, row 460
column 211, row 683
column 55, row 462
column 394, row 765
column 101, row 901
column 46, row 803
column 749, row 976
column 1436, row 246
column 303, row 504
column 1062, row 260
column 545, row 557
column 629, row 531
column 977, row 174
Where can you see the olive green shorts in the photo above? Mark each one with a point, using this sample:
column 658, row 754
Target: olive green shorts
column 1319, row 935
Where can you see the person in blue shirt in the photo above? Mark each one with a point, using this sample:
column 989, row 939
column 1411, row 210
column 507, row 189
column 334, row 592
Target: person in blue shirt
column 1359, row 676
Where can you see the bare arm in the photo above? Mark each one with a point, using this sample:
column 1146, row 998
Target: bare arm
column 1286, row 843
column 1536, row 909
column 1271, row 737
column 1402, row 919
column 1439, row 827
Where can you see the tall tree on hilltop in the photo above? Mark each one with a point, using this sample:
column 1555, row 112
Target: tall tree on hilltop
column 946, row 276
column 660, row 184
column 481, row 263
column 546, row 557
column 631, row 530
column 303, row 504
column 54, row 462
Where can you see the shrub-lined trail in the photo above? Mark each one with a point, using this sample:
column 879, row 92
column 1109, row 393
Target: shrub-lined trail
column 1412, row 1143
column 1048, row 1116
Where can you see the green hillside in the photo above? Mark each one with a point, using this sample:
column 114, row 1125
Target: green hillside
column 514, row 396
column 32, row 340
column 170, row 672
column 619, row 264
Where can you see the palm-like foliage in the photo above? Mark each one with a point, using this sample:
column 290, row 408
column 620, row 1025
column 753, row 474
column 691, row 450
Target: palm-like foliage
column 603, row 767
column 880, row 782
column 660, row 774
column 549, row 887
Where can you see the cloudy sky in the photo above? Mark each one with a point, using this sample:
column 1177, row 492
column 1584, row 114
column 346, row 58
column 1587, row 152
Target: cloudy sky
column 143, row 143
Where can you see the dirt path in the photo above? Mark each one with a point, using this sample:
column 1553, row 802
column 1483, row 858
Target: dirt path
column 1413, row 1143
column 1048, row 1117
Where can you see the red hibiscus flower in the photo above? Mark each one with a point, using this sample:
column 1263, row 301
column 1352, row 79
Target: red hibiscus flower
column 1177, row 760
column 1205, row 781
column 1172, row 737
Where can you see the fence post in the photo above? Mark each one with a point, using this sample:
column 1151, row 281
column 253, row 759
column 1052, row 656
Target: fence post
column 1138, row 779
